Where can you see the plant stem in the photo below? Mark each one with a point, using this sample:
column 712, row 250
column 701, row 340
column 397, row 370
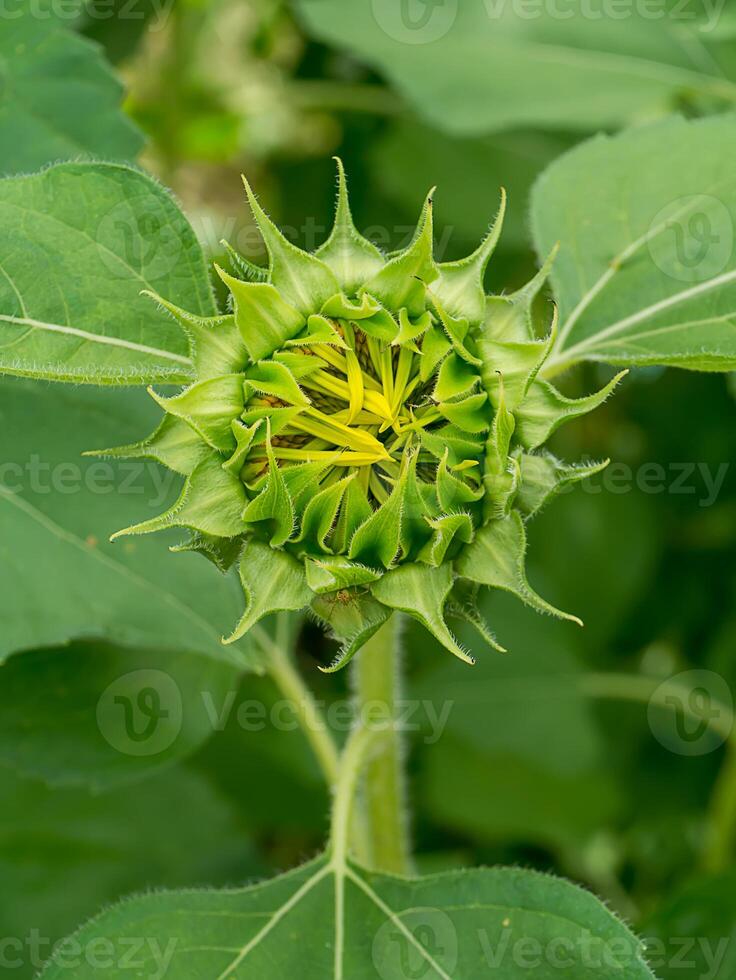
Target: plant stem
column 632, row 687
column 376, row 678
column 721, row 838
column 343, row 818
column 291, row 684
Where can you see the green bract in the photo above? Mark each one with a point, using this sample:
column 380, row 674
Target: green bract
column 364, row 433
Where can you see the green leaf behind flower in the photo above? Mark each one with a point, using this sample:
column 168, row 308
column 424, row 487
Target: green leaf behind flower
column 60, row 578
column 477, row 67
column 58, row 99
column 646, row 272
column 78, row 244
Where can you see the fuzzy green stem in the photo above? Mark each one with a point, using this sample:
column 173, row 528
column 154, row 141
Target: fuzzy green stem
column 649, row 690
column 343, row 815
column 377, row 683
column 721, row 841
column 289, row 681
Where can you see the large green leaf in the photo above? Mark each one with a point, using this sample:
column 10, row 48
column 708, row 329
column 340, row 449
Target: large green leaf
column 60, row 578
column 323, row 921
column 646, row 272
column 66, row 854
column 110, row 24
column 475, row 67
column 58, row 97
column 78, row 244
column 96, row 715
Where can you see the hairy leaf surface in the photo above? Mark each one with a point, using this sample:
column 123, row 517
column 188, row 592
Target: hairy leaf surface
column 322, row 922
column 476, row 67
column 58, row 97
column 60, row 578
column 78, row 244
column 646, row 272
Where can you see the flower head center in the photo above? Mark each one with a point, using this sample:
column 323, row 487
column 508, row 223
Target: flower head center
column 368, row 406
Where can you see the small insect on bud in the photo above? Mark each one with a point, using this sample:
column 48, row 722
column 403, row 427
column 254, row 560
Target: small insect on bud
column 364, row 433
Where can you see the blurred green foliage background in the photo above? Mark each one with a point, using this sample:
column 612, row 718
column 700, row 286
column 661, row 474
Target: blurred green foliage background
column 533, row 768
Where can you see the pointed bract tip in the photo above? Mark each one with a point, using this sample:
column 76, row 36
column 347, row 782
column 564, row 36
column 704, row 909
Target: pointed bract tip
column 258, row 212
column 159, row 399
column 342, row 209
column 226, row 277
column 535, row 284
column 554, row 325
column 546, row 266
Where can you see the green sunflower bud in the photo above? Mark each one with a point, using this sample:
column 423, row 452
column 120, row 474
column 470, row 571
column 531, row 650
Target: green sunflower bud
column 364, row 434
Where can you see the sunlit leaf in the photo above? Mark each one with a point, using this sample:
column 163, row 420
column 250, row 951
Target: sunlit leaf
column 646, row 272
column 78, row 244
column 476, row 67
column 60, row 576
column 59, row 100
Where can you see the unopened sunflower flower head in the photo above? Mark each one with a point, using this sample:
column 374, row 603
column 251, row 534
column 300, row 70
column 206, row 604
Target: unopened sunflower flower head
column 364, row 433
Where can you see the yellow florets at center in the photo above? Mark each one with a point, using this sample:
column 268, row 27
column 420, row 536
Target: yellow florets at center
column 368, row 404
